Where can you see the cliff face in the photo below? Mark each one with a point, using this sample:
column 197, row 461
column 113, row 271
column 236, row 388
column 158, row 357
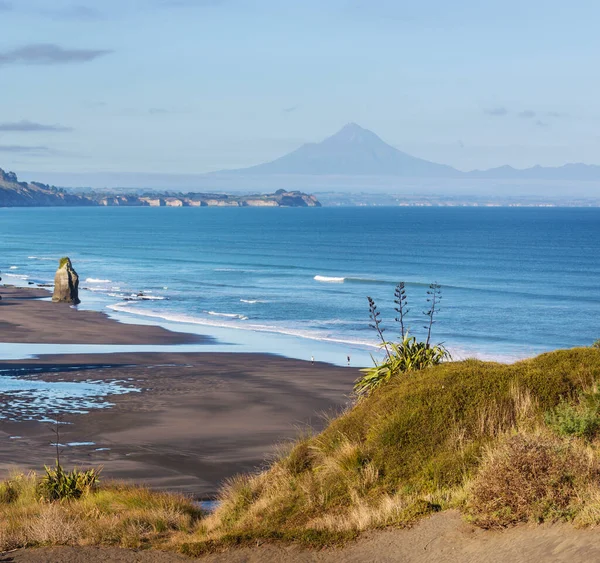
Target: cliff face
column 22, row 194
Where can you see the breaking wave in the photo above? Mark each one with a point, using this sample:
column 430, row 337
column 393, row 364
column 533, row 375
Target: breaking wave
column 228, row 315
column 230, row 322
column 96, row 280
column 327, row 279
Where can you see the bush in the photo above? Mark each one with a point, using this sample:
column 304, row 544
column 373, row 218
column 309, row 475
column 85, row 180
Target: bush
column 58, row 484
column 581, row 419
column 530, row 478
column 406, row 356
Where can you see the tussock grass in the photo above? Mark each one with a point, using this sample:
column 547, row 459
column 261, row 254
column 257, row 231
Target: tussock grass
column 503, row 443
column 533, row 477
column 115, row 515
column 468, row 434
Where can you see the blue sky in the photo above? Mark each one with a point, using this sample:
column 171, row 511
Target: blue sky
column 184, row 86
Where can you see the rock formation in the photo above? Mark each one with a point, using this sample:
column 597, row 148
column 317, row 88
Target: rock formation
column 66, row 283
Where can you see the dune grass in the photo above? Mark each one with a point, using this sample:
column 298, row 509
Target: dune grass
column 112, row 515
column 443, row 437
column 503, row 443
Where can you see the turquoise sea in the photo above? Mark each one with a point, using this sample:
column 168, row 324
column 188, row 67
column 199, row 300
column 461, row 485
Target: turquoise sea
column 515, row 281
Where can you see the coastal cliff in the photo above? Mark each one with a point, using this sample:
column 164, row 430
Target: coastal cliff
column 34, row 194
column 14, row 193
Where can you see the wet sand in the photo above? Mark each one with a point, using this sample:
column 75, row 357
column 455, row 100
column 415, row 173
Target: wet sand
column 24, row 318
column 199, row 418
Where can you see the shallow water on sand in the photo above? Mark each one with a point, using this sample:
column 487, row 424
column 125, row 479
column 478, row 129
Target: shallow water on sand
column 24, row 397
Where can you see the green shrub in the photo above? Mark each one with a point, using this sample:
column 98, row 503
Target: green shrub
column 596, row 344
column 580, row 418
column 59, row 484
column 406, row 356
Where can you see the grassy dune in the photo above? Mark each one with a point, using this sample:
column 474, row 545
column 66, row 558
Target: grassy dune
column 111, row 515
column 483, row 437
column 502, row 443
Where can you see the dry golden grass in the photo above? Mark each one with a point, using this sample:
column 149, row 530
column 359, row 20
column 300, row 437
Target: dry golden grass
column 533, row 477
column 467, row 434
column 471, row 435
column 115, row 514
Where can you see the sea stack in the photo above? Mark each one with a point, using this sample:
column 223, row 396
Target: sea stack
column 66, row 283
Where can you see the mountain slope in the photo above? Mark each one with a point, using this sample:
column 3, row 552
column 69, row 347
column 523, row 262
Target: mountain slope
column 351, row 151
column 355, row 151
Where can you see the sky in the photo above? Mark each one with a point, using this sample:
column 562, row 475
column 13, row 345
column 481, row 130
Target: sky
column 192, row 86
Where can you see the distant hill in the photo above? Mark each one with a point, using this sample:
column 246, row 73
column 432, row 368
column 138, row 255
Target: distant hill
column 355, row 151
column 22, row 194
column 573, row 171
column 351, row 151
column 33, row 194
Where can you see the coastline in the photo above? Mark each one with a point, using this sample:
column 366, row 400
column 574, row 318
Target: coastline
column 26, row 318
column 181, row 421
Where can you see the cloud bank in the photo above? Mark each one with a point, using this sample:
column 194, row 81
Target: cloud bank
column 25, row 126
column 48, row 54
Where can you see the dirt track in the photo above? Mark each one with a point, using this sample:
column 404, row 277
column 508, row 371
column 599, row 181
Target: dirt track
column 441, row 538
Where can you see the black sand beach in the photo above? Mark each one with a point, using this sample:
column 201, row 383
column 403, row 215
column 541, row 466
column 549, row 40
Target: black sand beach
column 199, row 418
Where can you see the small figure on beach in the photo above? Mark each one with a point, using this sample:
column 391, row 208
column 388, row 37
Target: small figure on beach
column 312, row 360
column 348, row 359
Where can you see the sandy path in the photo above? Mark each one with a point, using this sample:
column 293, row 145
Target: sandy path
column 441, row 538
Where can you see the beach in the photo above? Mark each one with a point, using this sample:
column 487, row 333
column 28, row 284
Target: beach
column 181, row 421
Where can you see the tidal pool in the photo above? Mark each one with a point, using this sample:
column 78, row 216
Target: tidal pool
column 33, row 399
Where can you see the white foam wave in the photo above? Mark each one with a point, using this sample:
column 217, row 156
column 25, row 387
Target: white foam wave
column 14, row 268
column 228, row 315
column 19, row 276
column 327, row 279
column 252, row 301
column 186, row 319
column 96, row 280
column 40, row 258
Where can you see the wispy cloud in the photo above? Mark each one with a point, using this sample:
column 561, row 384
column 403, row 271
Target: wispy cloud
column 189, row 3
column 497, row 112
column 74, row 12
column 48, row 54
column 25, row 126
column 158, row 111
column 23, row 150
column 290, row 109
column 526, row 114
column 541, row 123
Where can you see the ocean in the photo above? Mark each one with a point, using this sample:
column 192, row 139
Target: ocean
column 515, row 281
